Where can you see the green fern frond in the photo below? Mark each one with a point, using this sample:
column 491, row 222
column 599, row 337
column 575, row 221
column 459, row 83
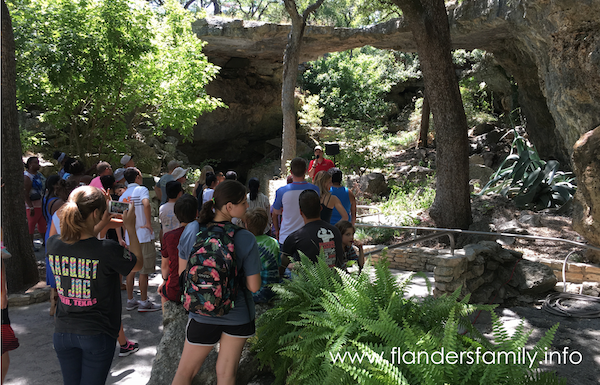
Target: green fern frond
column 542, row 378
column 498, row 330
column 325, row 311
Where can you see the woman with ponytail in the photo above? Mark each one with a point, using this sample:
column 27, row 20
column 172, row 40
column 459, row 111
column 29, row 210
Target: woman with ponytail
column 234, row 328
column 257, row 199
column 86, row 269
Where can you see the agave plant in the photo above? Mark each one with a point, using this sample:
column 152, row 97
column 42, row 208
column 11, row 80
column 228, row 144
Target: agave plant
column 531, row 182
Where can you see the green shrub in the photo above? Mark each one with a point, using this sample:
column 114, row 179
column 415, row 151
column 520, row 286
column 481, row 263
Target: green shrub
column 323, row 315
column 408, row 198
column 310, row 114
column 362, row 148
column 352, row 84
column 32, row 141
column 376, row 235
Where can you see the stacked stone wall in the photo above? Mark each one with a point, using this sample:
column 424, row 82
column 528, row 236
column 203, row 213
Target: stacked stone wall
column 485, row 270
column 574, row 272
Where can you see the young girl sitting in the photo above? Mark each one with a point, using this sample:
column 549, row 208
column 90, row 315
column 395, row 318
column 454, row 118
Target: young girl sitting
column 234, row 328
column 348, row 230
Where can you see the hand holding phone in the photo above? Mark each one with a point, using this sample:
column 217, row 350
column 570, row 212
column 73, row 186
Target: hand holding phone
column 115, row 207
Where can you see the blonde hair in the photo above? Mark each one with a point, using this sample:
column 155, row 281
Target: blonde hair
column 83, row 201
column 205, row 170
column 321, row 180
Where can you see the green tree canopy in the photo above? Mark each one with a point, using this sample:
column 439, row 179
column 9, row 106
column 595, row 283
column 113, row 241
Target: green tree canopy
column 352, row 84
column 100, row 68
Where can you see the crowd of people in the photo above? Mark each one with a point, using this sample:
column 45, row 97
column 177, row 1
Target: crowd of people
column 222, row 248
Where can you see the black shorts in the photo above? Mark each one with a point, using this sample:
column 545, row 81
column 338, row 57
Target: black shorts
column 197, row 333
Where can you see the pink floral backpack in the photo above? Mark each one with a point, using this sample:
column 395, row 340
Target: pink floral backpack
column 210, row 282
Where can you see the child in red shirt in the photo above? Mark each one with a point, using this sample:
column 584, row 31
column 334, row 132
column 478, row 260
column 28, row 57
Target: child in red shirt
column 185, row 211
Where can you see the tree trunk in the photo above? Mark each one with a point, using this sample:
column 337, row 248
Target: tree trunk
column 21, row 269
column 425, row 112
column 428, row 22
column 291, row 59
column 288, row 108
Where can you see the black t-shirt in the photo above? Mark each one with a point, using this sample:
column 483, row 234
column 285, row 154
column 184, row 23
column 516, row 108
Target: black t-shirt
column 87, row 281
column 311, row 238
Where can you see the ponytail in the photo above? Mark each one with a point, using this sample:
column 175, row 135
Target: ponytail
column 207, row 213
column 71, row 223
column 82, row 202
column 253, row 185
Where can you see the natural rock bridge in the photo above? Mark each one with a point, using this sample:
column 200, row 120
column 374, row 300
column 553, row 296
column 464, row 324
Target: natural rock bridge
column 550, row 48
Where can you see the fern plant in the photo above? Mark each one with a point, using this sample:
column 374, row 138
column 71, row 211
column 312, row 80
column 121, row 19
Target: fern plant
column 330, row 327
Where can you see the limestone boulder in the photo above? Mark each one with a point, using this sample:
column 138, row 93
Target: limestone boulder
column 419, row 173
column 586, row 204
column 534, row 277
column 480, row 172
column 482, row 128
column 374, row 183
column 170, row 347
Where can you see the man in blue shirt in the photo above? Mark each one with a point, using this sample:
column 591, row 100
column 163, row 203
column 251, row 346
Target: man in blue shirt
column 286, row 201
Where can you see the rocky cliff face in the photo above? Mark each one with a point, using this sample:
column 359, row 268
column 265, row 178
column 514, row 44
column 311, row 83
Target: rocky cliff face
column 586, row 205
column 253, row 96
column 551, row 48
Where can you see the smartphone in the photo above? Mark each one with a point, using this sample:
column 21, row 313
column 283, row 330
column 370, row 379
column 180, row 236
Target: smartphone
column 115, row 207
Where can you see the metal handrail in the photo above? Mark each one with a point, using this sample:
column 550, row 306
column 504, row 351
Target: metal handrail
column 424, row 238
column 377, row 209
column 461, row 231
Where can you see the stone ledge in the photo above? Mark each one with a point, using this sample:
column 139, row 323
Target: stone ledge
column 575, row 272
column 36, row 294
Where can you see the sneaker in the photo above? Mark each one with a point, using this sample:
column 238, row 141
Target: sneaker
column 148, row 306
column 129, row 348
column 132, row 304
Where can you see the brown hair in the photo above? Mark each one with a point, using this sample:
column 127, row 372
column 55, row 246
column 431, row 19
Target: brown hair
column 344, row 225
column 82, row 202
column 185, row 208
column 310, row 205
column 298, row 167
column 321, row 180
column 256, row 220
column 225, row 192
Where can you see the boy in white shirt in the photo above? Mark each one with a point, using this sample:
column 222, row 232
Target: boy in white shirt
column 140, row 196
column 166, row 214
